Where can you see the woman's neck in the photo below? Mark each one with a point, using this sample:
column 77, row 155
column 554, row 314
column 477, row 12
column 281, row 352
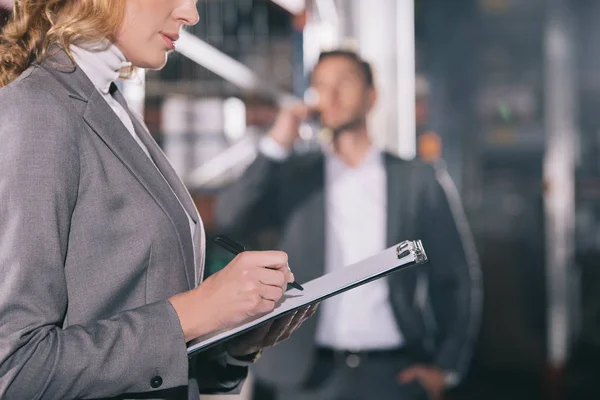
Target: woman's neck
column 101, row 62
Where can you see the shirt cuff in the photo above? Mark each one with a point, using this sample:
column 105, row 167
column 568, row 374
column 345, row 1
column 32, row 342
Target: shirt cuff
column 273, row 150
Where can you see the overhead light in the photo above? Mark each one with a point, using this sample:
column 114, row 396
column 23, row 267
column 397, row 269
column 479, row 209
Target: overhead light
column 216, row 61
column 227, row 67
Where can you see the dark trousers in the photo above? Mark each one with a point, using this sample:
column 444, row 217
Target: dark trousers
column 353, row 376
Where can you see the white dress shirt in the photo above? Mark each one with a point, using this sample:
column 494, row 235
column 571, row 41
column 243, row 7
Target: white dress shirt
column 102, row 63
column 355, row 229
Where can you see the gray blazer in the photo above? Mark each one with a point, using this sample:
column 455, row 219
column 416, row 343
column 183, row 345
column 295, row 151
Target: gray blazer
column 93, row 241
column 423, row 204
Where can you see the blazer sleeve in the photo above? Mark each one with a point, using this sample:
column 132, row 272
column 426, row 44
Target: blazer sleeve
column 250, row 203
column 39, row 356
column 455, row 276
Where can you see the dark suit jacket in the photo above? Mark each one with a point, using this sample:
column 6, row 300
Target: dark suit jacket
column 93, row 242
column 422, row 204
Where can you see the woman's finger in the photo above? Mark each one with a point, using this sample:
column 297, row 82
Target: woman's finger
column 278, row 332
column 273, row 277
column 271, row 293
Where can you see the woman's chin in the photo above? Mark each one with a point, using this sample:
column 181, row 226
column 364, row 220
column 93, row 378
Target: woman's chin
column 158, row 61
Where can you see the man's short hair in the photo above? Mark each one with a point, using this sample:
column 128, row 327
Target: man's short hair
column 363, row 66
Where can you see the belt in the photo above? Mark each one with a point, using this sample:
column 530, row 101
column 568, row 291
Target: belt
column 353, row 359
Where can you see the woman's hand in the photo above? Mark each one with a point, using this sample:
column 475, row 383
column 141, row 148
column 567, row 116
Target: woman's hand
column 269, row 334
column 247, row 287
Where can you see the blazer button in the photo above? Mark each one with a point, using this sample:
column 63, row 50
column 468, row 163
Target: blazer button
column 156, row 382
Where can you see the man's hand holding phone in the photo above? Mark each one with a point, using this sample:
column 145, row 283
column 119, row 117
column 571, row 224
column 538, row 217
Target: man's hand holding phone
column 285, row 131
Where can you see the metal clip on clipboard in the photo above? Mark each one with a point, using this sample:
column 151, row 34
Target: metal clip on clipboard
column 415, row 248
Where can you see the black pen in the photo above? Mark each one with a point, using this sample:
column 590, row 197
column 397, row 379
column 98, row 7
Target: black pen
column 236, row 248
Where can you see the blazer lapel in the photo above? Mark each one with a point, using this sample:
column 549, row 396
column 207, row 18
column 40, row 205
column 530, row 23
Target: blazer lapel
column 103, row 121
column 316, row 216
column 309, row 198
column 169, row 174
column 400, row 201
column 395, row 198
column 160, row 160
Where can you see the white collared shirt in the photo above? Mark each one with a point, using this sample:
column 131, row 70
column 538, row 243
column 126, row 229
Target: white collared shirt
column 355, row 229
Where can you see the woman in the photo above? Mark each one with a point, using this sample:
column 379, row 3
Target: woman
column 101, row 248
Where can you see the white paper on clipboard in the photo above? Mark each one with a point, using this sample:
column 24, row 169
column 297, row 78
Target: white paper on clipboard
column 402, row 255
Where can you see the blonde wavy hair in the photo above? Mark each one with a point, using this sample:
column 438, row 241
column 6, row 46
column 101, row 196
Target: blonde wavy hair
column 35, row 25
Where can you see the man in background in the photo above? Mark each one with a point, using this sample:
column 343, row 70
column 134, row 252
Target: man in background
column 406, row 337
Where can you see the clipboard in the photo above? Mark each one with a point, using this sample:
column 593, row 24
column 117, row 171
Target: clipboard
column 397, row 257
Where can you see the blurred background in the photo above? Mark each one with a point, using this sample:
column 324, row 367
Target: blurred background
column 505, row 92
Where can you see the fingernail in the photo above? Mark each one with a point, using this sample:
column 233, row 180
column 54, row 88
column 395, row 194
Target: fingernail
column 289, row 269
column 292, row 278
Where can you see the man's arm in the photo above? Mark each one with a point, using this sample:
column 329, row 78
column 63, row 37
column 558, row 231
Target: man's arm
column 455, row 290
column 250, row 203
